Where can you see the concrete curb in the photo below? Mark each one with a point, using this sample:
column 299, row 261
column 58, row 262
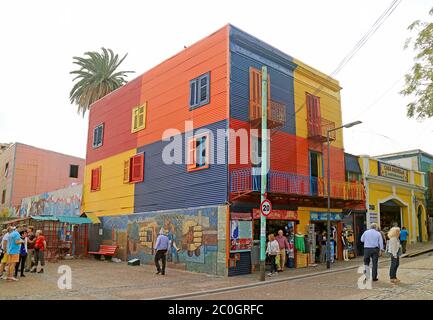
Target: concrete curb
column 273, row 281
column 258, row 284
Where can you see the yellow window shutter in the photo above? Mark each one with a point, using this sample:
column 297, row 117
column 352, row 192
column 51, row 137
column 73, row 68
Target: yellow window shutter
column 126, row 171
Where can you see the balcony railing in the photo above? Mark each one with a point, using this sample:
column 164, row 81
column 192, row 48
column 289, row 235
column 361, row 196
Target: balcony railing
column 276, row 114
column 317, row 128
column 242, row 180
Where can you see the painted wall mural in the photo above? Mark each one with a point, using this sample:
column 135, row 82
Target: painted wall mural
column 65, row 202
column 192, row 233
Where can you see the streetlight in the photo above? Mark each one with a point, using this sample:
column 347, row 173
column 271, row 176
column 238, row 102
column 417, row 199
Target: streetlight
column 328, row 218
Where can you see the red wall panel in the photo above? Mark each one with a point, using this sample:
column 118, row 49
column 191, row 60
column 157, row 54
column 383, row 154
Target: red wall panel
column 114, row 110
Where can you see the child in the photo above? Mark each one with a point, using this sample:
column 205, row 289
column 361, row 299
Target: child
column 23, row 254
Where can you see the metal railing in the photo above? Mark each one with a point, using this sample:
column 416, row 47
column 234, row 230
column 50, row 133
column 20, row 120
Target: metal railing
column 243, row 180
column 276, row 112
column 317, row 128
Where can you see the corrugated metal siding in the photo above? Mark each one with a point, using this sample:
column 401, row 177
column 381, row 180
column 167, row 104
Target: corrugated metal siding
column 352, row 163
column 165, row 88
column 243, row 266
column 282, row 89
column 115, row 112
column 172, row 186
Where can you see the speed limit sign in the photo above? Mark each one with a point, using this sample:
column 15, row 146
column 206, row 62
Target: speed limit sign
column 266, row 207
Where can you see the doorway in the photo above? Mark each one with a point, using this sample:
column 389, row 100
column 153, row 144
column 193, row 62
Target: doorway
column 315, row 171
column 390, row 214
column 419, row 224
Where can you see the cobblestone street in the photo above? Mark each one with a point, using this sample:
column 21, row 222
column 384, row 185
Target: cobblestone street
column 108, row 280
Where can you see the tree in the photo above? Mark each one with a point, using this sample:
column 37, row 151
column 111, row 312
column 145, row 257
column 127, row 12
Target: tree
column 419, row 82
column 97, row 77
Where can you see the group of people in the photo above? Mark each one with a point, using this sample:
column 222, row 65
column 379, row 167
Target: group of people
column 21, row 250
column 277, row 247
column 377, row 242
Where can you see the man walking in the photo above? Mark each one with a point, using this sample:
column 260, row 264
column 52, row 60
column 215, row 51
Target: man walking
column 283, row 245
column 161, row 247
column 373, row 245
column 403, row 239
column 14, row 246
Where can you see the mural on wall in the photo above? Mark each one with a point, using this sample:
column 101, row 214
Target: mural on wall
column 64, row 202
column 192, row 233
column 9, row 212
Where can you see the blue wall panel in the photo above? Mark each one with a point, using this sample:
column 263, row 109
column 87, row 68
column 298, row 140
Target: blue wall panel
column 172, row 186
column 282, row 87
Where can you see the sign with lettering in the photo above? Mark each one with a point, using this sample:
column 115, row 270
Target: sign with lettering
column 373, row 217
column 393, row 172
column 323, row 216
column 277, row 215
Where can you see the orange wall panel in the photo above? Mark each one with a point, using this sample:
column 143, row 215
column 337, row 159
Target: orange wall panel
column 167, row 91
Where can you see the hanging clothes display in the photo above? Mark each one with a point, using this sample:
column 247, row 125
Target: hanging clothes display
column 300, row 243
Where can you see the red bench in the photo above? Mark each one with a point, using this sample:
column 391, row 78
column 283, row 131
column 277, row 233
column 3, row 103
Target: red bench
column 104, row 250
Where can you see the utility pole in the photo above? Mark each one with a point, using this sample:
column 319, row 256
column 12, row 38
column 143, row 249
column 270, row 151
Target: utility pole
column 264, row 169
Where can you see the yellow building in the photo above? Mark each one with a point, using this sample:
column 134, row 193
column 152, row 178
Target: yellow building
column 395, row 195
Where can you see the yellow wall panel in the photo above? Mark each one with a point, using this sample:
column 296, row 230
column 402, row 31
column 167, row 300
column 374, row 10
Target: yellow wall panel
column 418, row 178
column 115, row 197
column 373, row 167
column 307, row 79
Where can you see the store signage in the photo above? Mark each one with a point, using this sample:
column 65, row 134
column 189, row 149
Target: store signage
column 277, row 215
column 371, row 206
column 266, row 207
column 323, row 216
column 393, row 172
column 241, row 235
column 373, row 217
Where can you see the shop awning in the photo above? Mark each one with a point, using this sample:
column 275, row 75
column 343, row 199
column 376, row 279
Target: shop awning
column 65, row 219
column 92, row 217
column 44, row 218
column 351, row 163
column 74, row 220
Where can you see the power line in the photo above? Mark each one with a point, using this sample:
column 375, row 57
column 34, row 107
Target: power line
column 394, row 4
column 381, row 96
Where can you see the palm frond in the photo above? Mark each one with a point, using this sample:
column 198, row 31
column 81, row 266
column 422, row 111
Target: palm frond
column 95, row 77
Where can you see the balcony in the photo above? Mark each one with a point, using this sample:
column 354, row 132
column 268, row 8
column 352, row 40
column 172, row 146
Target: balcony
column 276, row 114
column 243, row 181
column 317, row 128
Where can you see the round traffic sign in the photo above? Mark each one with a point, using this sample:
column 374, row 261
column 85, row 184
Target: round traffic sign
column 266, row 207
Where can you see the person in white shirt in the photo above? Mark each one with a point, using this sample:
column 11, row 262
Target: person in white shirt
column 272, row 250
column 4, row 247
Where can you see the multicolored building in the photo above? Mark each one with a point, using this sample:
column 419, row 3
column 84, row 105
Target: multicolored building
column 207, row 100
column 26, row 170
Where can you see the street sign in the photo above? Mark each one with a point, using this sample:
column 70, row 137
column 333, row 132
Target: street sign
column 266, row 207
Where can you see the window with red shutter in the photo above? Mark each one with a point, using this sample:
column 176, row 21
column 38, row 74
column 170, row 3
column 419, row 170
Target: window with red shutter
column 137, row 168
column 95, row 183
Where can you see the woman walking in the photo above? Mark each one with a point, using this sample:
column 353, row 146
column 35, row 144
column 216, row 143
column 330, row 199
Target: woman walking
column 394, row 249
column 272, row 250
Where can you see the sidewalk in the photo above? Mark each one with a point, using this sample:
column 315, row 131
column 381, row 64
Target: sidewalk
column 412, row 250
column 93, row 279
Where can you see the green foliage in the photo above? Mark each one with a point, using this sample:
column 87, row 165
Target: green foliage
column 419, row 82
column 97, row 77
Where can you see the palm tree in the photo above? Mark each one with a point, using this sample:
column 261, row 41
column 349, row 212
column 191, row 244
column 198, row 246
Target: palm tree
column 97, row 77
